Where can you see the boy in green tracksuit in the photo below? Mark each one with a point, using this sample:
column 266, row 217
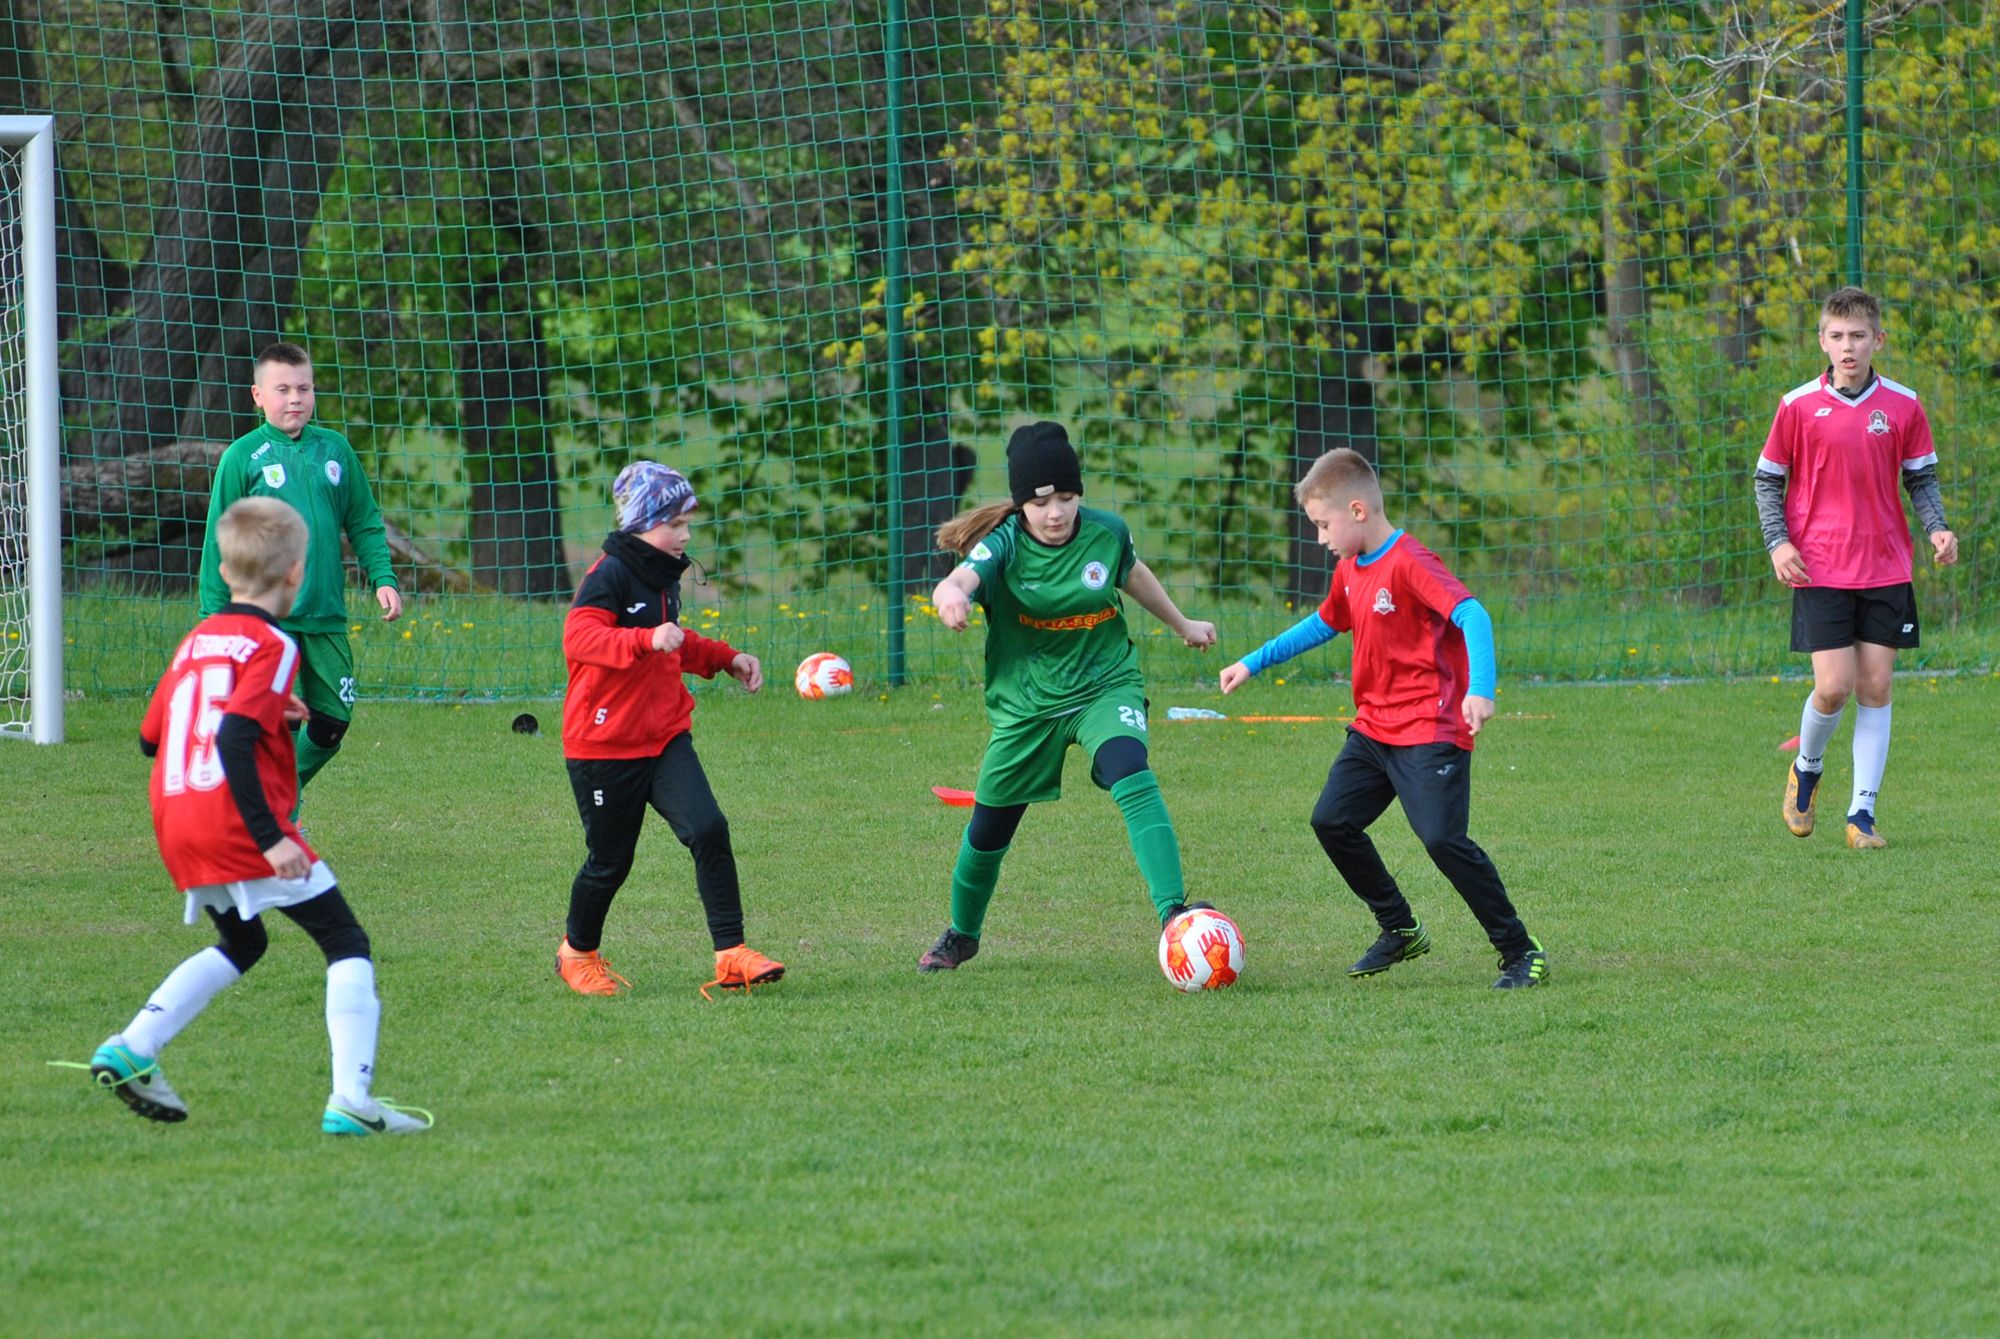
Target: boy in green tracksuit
column 316, row 471
column 1060, row 670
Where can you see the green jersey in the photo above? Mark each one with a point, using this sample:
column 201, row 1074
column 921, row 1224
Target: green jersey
column 1056, row 635
column 320, row 476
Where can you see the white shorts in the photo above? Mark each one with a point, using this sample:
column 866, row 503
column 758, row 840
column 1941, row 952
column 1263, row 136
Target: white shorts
column 250, row 898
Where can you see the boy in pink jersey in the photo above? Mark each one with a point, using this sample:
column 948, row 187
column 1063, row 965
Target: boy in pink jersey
column 224, row 782
column 1424, row 673
column 1833, row 522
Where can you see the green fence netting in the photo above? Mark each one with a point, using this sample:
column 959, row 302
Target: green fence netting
column 1549, row 262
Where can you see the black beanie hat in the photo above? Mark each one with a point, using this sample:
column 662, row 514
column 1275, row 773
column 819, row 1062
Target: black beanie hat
column 1040, row 461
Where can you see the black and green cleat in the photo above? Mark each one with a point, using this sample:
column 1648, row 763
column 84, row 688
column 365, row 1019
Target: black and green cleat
column 1392, row 947
column 1524, row 969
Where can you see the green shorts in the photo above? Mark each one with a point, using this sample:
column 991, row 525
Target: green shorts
column 1024, row 761
column 326, row 673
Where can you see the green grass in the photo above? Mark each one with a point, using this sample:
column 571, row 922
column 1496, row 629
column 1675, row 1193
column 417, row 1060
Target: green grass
column 1756, row 1098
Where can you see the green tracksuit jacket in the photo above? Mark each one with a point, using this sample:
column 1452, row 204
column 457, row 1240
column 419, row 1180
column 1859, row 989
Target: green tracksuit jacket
column 320, row 476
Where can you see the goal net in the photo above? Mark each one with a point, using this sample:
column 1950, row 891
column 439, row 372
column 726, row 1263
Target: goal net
column 30, row 582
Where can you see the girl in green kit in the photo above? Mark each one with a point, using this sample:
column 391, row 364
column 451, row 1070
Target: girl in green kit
column 1060, row 670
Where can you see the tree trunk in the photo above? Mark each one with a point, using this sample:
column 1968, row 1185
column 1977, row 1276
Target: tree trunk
column 1340, row 411
column 88, row 283
column 515, row 530
column 141, row 375
column 1625, row 304
column 937, row 472
column 302, row 159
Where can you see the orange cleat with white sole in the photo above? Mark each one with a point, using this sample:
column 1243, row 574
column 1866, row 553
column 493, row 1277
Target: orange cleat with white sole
column 742, row 967
column 587, row 973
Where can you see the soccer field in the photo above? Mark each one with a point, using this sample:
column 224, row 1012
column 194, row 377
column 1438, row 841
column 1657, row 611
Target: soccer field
column 1757, row 1096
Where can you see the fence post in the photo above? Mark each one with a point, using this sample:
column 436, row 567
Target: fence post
column 1857, row 54
column 897, row 286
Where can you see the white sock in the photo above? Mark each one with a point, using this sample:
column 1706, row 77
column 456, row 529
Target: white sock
column 1815, row 729
column 353, row 1014
column 184, row 994
column 1871, row 755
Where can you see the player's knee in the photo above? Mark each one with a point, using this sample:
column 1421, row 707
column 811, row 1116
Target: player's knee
column 708, row 830
column 1118, row 759
column 608, row 867
column 242, row 942
column 342, row 941
column 325, row 731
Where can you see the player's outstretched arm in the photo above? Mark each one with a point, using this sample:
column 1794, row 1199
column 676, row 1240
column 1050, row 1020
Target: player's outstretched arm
column 1303, row 636
column 953, row 597
column 1143, row 586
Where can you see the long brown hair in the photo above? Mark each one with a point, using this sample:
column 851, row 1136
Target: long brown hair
column 962, row 531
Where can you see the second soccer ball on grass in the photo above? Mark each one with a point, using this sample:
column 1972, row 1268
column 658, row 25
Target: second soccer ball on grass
column 823, row 674
column 1201, row 950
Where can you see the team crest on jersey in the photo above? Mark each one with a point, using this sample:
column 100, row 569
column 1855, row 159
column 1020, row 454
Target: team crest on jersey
column 333, row 472
column 1878, row 422
column 274, row 476
column 1095, row 575
column 1383, row 604
column 980, row 553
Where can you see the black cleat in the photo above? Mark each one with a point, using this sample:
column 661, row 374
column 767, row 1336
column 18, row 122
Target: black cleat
column 1392, row 947
column 1181, row 909
column 951, row 949
column 1530, row 968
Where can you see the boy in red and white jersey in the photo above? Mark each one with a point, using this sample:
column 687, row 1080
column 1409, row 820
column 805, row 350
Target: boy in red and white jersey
column 224, row 783
column 1833, row 521
column 1424, row 674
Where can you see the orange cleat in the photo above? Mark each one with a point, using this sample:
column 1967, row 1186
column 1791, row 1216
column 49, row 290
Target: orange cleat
column 587, row 973
column 742, row 967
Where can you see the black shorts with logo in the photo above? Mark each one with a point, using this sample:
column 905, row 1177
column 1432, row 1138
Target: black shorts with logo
column 1824, row 619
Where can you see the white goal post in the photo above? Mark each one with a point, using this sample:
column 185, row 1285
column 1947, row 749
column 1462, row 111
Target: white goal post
column 30, row 427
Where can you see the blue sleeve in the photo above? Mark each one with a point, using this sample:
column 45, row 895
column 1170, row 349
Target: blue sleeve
column 1471, row 618
column 1303, row 636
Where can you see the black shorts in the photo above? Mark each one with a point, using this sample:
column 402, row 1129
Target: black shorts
column 1824, row 619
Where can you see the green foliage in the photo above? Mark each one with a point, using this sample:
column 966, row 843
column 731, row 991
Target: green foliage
column 1177, row 228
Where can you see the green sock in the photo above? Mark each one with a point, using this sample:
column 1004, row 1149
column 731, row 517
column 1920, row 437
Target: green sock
column 972, row 882
column 312, row 757
column 1154, row 844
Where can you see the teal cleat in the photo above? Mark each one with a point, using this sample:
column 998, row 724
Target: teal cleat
column 136, row 1081
column 375, row 1116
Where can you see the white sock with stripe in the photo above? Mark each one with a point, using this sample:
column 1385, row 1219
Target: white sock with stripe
column 1871, row 755
column 1815, row 729
column 180, row 998
column 353, row 1015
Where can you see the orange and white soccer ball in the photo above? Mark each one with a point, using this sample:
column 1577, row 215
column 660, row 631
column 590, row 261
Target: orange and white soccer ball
column 1201, row 950
column 823, row 674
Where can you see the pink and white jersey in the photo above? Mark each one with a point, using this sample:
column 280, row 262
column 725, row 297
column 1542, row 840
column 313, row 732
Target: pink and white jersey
column 1842, row 462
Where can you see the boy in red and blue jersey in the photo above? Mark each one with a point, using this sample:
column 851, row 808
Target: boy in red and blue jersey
column 1833, row 522
column 1424, row 673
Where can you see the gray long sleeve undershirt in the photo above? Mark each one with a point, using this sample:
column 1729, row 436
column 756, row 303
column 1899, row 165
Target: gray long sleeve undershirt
column 1921, row 485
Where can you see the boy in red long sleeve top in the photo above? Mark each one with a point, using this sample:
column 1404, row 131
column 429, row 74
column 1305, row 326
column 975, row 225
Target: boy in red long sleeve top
column 625, row 730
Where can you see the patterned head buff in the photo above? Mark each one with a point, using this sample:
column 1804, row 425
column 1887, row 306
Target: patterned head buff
column 648, row 493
